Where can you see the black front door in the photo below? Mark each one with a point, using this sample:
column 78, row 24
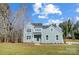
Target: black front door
column 38, row 37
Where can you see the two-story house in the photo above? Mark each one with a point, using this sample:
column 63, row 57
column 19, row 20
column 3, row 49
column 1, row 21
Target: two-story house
column 39, row 33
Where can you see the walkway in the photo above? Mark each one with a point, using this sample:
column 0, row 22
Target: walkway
column 70, row 43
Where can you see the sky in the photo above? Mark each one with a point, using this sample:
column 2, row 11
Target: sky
column 50, row 12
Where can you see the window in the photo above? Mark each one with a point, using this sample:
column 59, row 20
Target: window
column 51, row 29
column 28, row 30
column 46, row 37
column 56, row 37
column 28, row 37
column 37, row 29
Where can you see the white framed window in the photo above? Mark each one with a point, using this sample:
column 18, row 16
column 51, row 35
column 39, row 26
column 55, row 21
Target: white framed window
column 51, row 29
column 37, row 29
column 28, row 30
column 28, row 37
column 46, row 37
column 56, row 37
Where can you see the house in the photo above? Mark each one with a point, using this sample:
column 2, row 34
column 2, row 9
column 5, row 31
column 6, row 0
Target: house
column 39, row 33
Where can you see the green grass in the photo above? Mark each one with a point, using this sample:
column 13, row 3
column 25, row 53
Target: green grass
column 30, row 49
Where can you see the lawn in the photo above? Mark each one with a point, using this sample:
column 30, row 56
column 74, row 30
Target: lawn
column 30, row 49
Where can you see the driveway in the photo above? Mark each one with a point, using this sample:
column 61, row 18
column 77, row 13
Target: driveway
column 70, row 43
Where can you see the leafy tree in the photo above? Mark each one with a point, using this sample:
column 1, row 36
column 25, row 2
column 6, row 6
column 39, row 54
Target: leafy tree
column 64, row 28
column 77, row 26
column 68, row 28
column 76, row 31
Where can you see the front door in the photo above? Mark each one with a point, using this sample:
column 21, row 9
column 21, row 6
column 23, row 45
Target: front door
column 37, row 38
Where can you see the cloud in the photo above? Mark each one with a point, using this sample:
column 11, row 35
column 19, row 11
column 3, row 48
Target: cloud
column 45, row 9
column 77, row 10
column 51, row 21
column 61, row 18
column 77, row 18
column 37, row 7
column 42, row 16
column 56, row 21
column 46, row 23
column 50, row 8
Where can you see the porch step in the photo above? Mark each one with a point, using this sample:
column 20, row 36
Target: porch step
column 37, row 44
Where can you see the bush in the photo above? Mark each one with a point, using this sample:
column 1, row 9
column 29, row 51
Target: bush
column 76, row 35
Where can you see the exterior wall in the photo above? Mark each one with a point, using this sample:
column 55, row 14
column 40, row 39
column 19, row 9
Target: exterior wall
column 37, row 29
column 51, row 36
column 25, row 33
column 50, row 31
column 60, row 37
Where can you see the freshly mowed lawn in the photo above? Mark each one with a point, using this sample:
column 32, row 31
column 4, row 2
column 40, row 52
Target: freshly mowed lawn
column 30, row 49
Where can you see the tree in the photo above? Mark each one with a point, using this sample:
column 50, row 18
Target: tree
column 12, row 25
column 76, row 30
column 68, row 29
column 77, row 26
column 64, row 28
column 4, row 10
column 18, row 22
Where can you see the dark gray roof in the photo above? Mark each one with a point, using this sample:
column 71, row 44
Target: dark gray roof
column 44, row 26
column 37, row 24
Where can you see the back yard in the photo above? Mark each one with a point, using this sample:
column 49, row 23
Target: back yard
column 30, row 49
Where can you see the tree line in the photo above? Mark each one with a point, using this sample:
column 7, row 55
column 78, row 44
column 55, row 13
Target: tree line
column 11, row 24
column 70, row 29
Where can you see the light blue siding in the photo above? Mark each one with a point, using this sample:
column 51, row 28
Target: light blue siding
column 41, row 32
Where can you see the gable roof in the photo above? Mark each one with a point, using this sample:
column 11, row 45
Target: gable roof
column 58, row 29
column 47, row 26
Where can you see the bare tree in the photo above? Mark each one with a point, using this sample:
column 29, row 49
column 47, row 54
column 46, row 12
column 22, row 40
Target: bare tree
column 11, row 26
column 4, row 10
column 18, row 22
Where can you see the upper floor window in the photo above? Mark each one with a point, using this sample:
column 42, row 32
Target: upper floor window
column 37, row 29
column 28, row 30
